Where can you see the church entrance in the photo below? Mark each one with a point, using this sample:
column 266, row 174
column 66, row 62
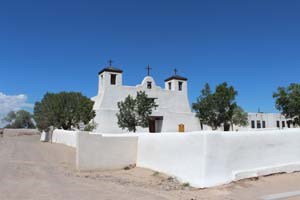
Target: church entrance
column 155, row 124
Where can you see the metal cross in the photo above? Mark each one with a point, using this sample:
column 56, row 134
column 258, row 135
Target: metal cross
column 175, row 71
column 148, row 69
column 110, row 62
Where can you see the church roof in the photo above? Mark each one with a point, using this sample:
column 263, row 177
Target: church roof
column 176, row 77
column 110, row 69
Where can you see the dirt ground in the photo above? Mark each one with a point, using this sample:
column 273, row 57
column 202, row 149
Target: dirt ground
column 30, row 169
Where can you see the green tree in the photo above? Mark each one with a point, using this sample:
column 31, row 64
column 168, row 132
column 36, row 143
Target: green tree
column 205, row 108
column 19, row 119
column 239, row 118
column 287, row 101
column 63, row 110
column 90, row 126
column 134, row 112
column 10, row 117
column 225, row 103
column 217, row 108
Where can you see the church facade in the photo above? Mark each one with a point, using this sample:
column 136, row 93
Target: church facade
column 173, row 113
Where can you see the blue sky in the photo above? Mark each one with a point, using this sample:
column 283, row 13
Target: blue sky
column 61, row 45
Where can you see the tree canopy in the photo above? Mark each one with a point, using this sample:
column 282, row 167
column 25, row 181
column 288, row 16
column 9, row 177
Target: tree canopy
column 134, row 112
column 240, row 117
column 64, row 110
column 19, row 119
column 219, row 107
column 287, row 101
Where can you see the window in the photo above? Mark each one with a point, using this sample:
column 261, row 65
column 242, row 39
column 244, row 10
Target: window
column 264, row 124
column 289, row 122
column 258, row 124
column 252, row 124
column 170, row 85
column 113, row 79
column 278, row 124
column 149, row 84
column 180, row 86
column 283, row 124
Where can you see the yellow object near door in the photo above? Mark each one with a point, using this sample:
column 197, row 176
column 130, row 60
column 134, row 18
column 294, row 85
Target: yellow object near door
column 181, row 128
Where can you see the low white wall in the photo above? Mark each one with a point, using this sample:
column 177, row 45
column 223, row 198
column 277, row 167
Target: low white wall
column 179, row 155
column 202, row 159
column 68, row 138
column 206, row 159
column 100, row 152
column 234, row 156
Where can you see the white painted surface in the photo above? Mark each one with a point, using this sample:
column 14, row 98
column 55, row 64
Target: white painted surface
column 233, row 156
column 270, row 120
column 207, row 159
column 68, row 138
column 98, row 152
column 179, row 155
column 173, row 105
column 43, row 136
column 202, row 159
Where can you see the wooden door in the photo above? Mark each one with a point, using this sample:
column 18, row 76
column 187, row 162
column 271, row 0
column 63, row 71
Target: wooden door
column 181, row 128
column 152, row 125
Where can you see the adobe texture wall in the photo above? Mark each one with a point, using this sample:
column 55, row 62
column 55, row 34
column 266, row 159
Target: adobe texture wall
column 206, row 159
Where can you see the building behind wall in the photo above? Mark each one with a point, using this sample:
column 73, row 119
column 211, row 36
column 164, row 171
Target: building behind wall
column 172, row 114
column 262, row 120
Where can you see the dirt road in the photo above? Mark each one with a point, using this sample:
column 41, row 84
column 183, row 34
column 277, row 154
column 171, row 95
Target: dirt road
column 33, row 170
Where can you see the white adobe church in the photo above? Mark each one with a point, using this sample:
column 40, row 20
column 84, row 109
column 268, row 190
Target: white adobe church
column 172, row 114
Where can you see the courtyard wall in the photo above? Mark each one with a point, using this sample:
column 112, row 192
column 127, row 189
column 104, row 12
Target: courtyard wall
column 68, row 138
column 105, row 152
column 202, row 159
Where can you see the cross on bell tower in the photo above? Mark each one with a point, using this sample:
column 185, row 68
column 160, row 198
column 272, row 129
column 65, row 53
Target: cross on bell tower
column 148, row 70
column 110, row 62
column 175, row 71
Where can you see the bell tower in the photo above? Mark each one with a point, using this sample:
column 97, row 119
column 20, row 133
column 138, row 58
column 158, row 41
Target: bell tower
column 176, row 83
column 109, row 77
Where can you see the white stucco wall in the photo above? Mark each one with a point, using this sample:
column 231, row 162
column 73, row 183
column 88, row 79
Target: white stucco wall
column 175, row 154
column 234, row 156
column 207, row 159
column 270, row 120
column 202, row 159
column 68, row 138
column 101, row 152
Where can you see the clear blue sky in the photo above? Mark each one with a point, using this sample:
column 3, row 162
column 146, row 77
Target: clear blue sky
column 61, row 45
